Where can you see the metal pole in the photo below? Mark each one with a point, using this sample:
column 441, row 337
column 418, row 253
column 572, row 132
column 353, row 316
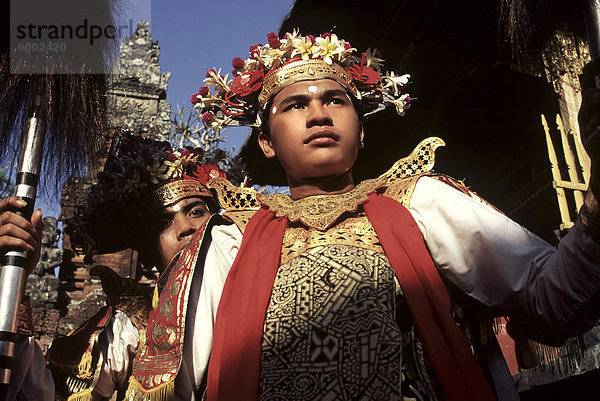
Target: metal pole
column 12, row 273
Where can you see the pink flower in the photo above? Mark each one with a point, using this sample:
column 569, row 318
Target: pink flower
column 273, row 39
column 238, row 62
column 203, row 91
column 207, row 117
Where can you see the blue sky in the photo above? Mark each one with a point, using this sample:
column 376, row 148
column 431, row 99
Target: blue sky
column 197, row 35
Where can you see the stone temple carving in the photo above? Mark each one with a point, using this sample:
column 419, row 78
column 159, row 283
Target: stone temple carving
column 51, row 255
column 42, row 285
column 137, row 90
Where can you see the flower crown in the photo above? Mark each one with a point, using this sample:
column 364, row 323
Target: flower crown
column 241, row 100
column 143, row 165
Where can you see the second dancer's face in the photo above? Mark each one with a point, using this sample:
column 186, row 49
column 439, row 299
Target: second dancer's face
column 313, row 130
column 179, row 222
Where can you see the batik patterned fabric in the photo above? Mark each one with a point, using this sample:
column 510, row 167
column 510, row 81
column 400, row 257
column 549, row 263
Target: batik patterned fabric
column 333, row 326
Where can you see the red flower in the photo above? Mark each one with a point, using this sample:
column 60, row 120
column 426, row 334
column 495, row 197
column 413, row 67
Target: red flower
column 203, row 91
column 255, row 50
column 237, row 71
column 312, row 38
column 326, row 35
column 207, row 117
column 274, row 41
column 171, row 157
column 214, row 171
column 205, row 172
column 208, row 73
column 363, row 75
column 247, row 84
column 194, row 98
column 347, row 46
column 185, row 153
column 200, row 174
column 238, row 62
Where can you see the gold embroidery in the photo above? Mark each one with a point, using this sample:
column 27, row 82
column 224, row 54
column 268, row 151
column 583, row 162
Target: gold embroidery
column 231, row 197
column 420, row 160
column 402, row 190
column 320, row 211
column 240, row 217
column 354, row 231
column 166, row 309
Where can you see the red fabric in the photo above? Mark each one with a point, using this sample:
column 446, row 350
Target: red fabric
column 235, row 357
column 456, row 368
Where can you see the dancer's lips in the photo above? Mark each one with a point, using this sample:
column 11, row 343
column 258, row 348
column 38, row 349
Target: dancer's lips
column 322, row 137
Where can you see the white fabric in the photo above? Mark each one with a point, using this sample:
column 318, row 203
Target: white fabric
column 119, row 343
column 471, row 243
column 29, row 379
column 504, row 266
column 226, row 240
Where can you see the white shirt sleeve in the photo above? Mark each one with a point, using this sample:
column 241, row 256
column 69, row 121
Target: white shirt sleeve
column 221, row 253
column 119, row 343
column 501, row 264
column 29, row 379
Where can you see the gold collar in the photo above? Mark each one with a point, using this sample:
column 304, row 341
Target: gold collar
column 320, row 211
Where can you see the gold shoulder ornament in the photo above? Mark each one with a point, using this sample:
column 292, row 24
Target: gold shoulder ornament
column 420, row 160
column 231, row 197
column 404, row 174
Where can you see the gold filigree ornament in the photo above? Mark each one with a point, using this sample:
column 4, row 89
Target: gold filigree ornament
column 320, row 211
column 420, row 160
column 231, row 197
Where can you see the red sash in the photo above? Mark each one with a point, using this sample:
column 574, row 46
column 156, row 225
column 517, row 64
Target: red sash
column 233, row 372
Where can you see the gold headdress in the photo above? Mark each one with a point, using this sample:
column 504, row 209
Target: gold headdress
column 242, row 99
